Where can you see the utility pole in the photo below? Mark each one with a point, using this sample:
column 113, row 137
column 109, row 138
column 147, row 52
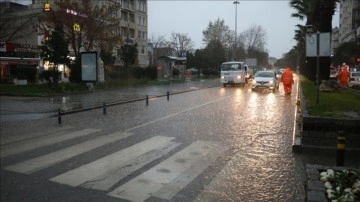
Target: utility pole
column 234, row 51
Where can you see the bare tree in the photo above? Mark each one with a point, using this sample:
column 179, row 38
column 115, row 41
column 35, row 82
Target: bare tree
column 86, row 25
column 14, row 26
column 253, row 39
column 158, row 41
column 180, row 42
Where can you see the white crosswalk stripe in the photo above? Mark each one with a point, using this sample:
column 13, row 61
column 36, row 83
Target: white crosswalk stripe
column 105, row 172
column 16, row 148
column 163, row 180
column 52, row 158
column 16, row 138
column 169, row 177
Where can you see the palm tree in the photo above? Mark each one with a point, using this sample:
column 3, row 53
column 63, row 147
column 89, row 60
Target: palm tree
column 317, row 13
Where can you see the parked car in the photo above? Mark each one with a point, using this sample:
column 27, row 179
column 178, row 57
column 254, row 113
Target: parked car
column 354, row 80
column 333, row 74
column 265, row 80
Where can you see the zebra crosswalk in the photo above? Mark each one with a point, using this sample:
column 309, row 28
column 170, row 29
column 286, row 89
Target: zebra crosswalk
column 176, row 165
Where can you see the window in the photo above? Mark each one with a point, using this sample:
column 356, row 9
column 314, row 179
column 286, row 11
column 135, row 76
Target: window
column 132, row 17
column 141, row 21
column 124, row 15
column 141, row 35
column 143, row 49
column 141, row 6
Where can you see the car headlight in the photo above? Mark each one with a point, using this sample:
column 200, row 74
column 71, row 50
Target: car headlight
column 253, row 81
column 223, row 77
column 238, row 77
column 271, row 82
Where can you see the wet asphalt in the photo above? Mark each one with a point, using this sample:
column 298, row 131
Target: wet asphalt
column 40, row 112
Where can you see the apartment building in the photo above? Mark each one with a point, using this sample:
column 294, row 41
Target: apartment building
column 19, row 42
column 334, row 40
column 133, row 28
column 349, row 29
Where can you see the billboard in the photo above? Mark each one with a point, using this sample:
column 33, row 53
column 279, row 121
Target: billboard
column 89, row 66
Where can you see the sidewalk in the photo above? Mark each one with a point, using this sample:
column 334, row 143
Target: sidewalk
column 28, row 108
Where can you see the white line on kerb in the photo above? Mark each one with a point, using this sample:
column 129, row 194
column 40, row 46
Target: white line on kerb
column 171, row 115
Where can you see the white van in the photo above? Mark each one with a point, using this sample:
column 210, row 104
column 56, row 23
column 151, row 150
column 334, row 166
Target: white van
column 233, row 73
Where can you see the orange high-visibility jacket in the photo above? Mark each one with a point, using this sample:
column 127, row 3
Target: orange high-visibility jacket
column 287, row 77
column 344, row 75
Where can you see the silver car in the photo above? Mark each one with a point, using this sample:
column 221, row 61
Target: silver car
column 354, row 80
column 265, row 80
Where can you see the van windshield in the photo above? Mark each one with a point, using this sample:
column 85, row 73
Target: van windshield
column 231, row 67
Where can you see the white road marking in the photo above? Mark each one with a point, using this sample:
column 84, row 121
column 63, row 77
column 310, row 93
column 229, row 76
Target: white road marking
column 107, row 180
column 24, row 136
column 170, row 176
column 109, row 166
column 8, row 150
column 41, row 162
column 172, row 115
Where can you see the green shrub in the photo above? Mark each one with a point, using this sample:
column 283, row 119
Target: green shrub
column 47, row 74
column 210, row 72
column 151, row 72
column 115, row 75
column 138, row 72
column 176, row 72
column 26, row 72
column 75, row 73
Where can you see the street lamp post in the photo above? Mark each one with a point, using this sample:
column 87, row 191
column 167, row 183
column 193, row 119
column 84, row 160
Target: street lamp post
column 317, row 66
column 236, row 3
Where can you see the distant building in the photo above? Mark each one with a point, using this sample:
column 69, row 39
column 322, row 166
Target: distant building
column 334, row 39
column 349, row 21
column 162, row 51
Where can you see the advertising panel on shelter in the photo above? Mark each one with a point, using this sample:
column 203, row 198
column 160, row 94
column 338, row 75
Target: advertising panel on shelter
column 89, row 66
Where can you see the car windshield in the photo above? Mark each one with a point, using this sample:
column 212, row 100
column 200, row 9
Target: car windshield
column 355, row 74
column 231, row 67
column 264, row 74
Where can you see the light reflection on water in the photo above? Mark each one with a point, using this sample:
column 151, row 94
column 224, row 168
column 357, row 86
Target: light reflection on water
column 258, row 171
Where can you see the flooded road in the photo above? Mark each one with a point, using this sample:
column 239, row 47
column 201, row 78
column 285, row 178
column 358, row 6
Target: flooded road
column 213, row 144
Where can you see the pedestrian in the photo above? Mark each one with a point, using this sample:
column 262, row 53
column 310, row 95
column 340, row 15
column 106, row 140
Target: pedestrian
column 287, row 80
column 344, row 76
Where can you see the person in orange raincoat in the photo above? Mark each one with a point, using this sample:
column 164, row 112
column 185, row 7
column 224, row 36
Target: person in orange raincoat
column 287, row 80
column 343, row 77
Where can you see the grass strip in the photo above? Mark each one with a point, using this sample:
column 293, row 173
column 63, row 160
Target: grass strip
column 331, row 104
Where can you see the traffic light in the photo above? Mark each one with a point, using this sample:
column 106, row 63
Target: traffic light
column 357, row 60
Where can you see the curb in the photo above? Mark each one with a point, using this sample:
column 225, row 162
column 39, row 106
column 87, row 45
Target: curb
column 297, row 145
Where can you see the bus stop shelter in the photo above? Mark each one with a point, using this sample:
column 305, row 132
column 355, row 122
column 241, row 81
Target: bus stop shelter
column 168, row 65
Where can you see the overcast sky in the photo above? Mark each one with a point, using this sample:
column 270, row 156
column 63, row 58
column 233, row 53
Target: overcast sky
column 193, row 16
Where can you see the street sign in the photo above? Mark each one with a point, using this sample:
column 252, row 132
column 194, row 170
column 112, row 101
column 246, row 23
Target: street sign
column 324, row 45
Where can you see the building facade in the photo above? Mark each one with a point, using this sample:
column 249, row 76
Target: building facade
column 21, row 46
column 334, row 39
column 134, row 26
column 19, row 42
column 349, row 21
